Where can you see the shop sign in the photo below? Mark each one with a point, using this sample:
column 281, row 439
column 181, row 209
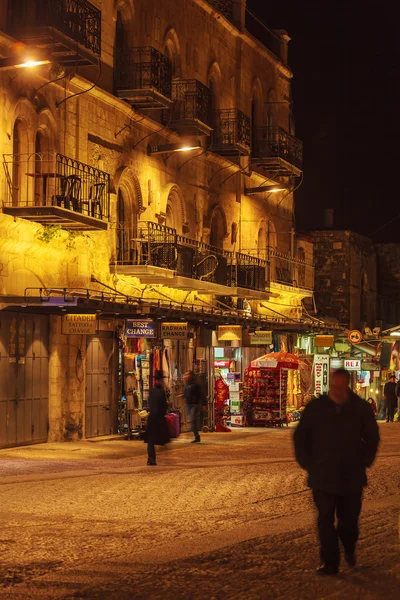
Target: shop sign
column 324, row 341
column 336, row 363
column 222, row 363
column 174, row 331
column 352, row 365
column 79, row 324
column 321, row 373
column 369, row 366
column 229, row 333
column 140, row 328
column 261, row 338
column 355, row 336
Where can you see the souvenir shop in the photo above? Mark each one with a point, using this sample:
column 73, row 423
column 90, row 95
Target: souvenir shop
column 147, row 345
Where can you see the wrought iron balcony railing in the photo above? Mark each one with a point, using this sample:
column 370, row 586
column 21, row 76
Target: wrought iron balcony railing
column 40, row 184
column 232, row 132
column 225, row 7
column 289, row 270
column 192, row 104
column 143, row 77
column 250, row 272
column 37, row 21
column 272, row 143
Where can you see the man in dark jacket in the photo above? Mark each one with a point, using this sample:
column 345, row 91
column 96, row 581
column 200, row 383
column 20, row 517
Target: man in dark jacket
column 336, row 439
column 390, row 398
column 193, row 396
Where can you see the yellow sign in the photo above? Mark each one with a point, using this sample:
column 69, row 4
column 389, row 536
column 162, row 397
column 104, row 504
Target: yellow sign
column 79, row 325
column 324, row 341
column 229, row 333
column 174, row 331
column 261, row 338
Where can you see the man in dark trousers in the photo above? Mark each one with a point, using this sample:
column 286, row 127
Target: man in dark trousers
column 336, row 439
column 193, row 396
column 390, row 398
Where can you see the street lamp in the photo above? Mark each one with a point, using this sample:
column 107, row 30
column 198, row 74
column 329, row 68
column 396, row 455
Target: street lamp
column 270, row 189
column 35, row 58
column 179, row 147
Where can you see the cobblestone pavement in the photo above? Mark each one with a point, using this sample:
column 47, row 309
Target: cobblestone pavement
column 228, row 518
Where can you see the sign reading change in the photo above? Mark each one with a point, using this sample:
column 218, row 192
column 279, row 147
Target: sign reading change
column 174, row 331
column 79, row 324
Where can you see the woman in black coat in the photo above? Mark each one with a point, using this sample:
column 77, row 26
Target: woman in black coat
column 157, row 428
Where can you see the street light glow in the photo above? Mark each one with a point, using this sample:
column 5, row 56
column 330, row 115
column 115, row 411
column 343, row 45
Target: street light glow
column 32, row 63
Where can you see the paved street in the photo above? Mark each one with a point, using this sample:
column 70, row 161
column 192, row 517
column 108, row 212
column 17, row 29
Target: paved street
column 228, row 518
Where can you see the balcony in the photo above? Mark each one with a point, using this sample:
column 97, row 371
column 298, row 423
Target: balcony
column 276, row 152
column 191, row 113
column 225, row 7
column 69, row 30
column 54, row 189
column 290, row 271
column 143, row 78
column 250, row 272
column 159, row 254
column 232, row 133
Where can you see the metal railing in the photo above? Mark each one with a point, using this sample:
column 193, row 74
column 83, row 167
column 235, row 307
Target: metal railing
column 273, row 142
column 250, row 272
column 192, row 101
column 289, row 270
column 263, row 34
column 77, row 19
column 47, row 179
column 143, row 69
column 225, row 7
column 231, row 130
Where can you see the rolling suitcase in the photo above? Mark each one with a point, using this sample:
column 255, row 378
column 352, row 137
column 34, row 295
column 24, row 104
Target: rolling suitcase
column 171, row 426
column 177, row 424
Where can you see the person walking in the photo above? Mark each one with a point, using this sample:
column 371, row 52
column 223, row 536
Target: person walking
column 157, row 427
column 336, row 439
column 193, row 396
column 390, row 398
column 398, row 400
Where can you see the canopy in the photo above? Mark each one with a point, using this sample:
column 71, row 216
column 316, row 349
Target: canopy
column 277, row 360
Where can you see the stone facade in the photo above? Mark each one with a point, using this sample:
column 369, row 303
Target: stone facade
column 345, row 278
column 75, row 112
column 388, row 259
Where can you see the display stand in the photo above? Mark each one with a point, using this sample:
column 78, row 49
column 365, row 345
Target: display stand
column 265, row 396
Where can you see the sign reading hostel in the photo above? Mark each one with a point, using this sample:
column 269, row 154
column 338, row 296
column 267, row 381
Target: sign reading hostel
column 144, row 328
column 174, row 331
column 79, row 324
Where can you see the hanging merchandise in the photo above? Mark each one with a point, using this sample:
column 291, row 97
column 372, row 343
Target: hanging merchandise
column 221, row 399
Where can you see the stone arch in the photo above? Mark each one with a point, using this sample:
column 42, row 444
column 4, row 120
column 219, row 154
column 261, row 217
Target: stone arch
column 126, row 8
column 214, row 83
column 23, row 126
column 173, row 52
column 128, row 209
column 48, row 126
column 218, row 225
column 21, row 278
column 175, row 208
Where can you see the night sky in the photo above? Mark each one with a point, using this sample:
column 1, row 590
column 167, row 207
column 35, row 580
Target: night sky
column 345, row 56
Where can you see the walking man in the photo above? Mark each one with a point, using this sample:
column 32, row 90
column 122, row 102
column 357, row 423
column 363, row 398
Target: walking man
column 336, row 439
column 193, row 396
column 390, row 398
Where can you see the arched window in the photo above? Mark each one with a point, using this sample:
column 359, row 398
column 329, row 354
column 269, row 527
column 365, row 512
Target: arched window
column 127, row 217
column 217, row 228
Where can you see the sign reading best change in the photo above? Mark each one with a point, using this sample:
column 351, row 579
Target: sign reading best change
column 79, row 324
column 174, row 331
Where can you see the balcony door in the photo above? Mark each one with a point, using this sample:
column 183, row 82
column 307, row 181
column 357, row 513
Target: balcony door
column 126, row 228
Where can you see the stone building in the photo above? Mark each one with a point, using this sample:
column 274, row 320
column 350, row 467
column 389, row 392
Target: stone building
column 149, row 161
column 388, row 261
column 346, row 278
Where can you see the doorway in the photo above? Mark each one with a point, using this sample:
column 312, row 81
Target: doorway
column 100, row 413
column 24, row 379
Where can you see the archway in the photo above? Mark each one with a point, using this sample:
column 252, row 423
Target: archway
column 217, row 228
column 128, row 209
column 175, row 209
column 261, row 243
column 173, row 53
